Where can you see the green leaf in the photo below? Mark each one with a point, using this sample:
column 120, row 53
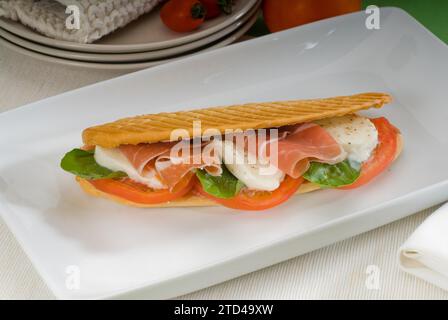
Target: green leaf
column 82, row 164
column 333, row 175
column 224, row 186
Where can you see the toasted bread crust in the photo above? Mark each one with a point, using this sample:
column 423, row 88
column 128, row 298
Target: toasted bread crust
column 158, row 127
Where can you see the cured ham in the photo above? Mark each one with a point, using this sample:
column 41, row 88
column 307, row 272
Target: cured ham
column 140, row 155
column 158, row 159
column 298, row 144
column 295, row 147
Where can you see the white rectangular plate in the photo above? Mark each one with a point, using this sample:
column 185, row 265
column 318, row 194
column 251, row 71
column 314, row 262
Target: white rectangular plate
column 161, row 253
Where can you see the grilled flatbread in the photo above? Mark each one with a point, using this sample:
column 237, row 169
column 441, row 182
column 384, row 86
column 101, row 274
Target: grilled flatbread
column 158, row 127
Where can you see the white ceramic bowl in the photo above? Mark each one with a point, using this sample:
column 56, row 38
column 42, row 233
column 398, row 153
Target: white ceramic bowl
column 131, row 66
column 145, row 34
column 129, row 57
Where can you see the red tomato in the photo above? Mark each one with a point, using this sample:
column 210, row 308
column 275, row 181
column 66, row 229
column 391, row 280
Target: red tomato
column 383, row 155
column 183, row 15
column 284, row 14
column 139, row 193
column 256, row 200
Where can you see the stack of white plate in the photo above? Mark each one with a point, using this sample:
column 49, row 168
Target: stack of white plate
column 141, row 44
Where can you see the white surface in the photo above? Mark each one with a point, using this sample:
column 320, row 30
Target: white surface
column 425, row 253
column 131, row 57
column 132, row 66
column 271, row 224
column 338, row 271
column 145, row 34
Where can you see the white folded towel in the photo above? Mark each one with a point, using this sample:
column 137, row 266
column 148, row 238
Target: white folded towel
column 97, row 17
column 425, row 253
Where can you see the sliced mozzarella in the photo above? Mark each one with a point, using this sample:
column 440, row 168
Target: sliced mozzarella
column 254, row 176
column 115, row 160
column 357, row 135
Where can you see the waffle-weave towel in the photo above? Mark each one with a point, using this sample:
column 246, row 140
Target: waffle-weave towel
column 55, row 18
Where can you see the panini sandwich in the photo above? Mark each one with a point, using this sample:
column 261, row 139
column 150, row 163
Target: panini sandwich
column 249, row 157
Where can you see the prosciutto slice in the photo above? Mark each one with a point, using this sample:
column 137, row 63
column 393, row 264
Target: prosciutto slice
column 295, row 147
column 158, row 159
column 140, row 155
column 298, row 144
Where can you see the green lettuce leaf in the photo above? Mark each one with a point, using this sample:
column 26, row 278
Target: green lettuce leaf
column 82, row 164
column 225, row 186
column 333, row 175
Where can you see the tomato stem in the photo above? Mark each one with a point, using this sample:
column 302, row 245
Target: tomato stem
column 198, row 11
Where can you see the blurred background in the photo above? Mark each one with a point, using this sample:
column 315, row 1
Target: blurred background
column 433, row 14
column 129, row 35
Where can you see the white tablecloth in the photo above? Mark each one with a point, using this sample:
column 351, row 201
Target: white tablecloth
column 338, row 271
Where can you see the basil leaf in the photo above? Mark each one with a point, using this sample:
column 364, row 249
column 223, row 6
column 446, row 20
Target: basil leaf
column 224, row 186
column 82, row 164
column 332, row 175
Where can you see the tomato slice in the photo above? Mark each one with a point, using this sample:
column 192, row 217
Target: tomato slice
column 383, row 155
column 256, row 200
column 139, row 193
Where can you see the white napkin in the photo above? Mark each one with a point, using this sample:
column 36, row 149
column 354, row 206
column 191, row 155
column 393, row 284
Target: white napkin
column 97, row 17
column 425, row 253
